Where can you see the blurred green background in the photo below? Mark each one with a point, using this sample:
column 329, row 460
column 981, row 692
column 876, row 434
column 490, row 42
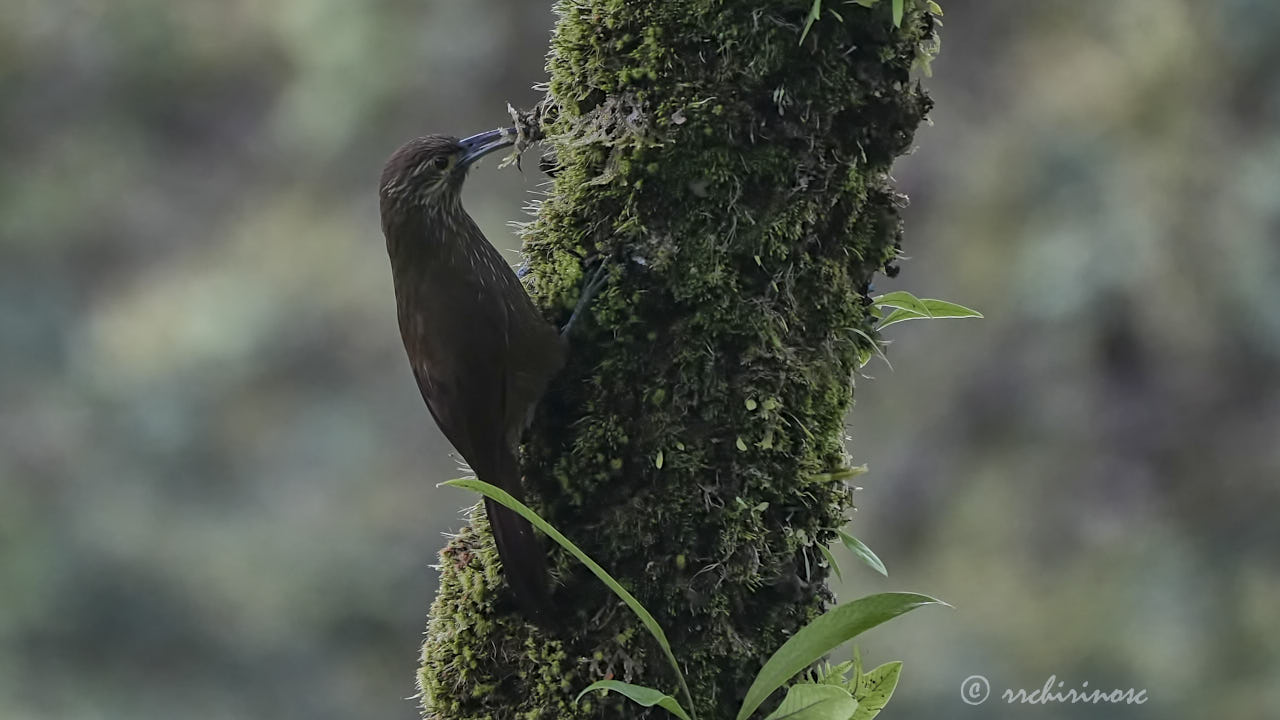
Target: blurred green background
column 217, row 478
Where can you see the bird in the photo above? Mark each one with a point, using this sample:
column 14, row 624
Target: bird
column 481, row 352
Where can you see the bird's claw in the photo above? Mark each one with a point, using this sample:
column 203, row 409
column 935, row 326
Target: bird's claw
column 597, row 280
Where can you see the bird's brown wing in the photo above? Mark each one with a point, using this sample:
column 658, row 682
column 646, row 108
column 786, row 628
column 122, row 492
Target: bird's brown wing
column 458, row 364
column 538, row 353
column 448, row 406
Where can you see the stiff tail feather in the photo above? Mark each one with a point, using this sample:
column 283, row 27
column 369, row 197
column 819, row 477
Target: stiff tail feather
column 524, row 563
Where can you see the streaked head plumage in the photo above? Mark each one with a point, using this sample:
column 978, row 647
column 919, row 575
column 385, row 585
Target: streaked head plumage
column 432, row 167
column 423, row 170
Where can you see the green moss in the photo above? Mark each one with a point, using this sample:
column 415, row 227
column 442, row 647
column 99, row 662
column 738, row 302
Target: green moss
column 737, row 184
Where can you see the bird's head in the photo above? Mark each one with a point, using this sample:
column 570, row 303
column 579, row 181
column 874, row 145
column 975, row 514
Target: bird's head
column 430, row 169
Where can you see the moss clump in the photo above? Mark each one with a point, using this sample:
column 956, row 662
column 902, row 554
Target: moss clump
column 736, row 182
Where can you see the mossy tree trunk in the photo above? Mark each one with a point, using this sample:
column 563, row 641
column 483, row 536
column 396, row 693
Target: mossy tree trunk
column 736, row 181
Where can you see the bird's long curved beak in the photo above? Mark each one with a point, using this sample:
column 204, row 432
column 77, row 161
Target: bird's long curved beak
column 477, row 146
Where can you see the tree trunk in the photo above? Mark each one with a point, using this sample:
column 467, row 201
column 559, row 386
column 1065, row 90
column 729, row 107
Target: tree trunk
column 735, row 181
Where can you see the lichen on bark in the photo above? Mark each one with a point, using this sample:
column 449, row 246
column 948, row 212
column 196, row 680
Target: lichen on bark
column 735, row 181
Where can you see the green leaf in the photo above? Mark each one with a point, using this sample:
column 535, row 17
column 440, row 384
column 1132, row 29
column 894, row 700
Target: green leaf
column 831, row 560
column 875, row 346
column 502, row 497
column 857, row 668
column 935, row 8
column 875, row 688
column 900, row 299
column 819, row 637
column 807, row 701
column 640, row 695
column 830, row 674
column 944, row 309
column 815, row 12
column 842, row 474
column 909, row 307
column 900, row 315
column 897, row 13
column 657, row 461
column 860, row 550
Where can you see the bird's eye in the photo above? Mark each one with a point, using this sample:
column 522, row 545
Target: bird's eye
column 442, row 162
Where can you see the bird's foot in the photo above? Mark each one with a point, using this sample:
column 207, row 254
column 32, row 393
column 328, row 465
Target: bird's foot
column 598, row 279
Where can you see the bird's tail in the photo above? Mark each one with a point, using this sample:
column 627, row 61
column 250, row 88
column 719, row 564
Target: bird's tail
column 523, row 562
